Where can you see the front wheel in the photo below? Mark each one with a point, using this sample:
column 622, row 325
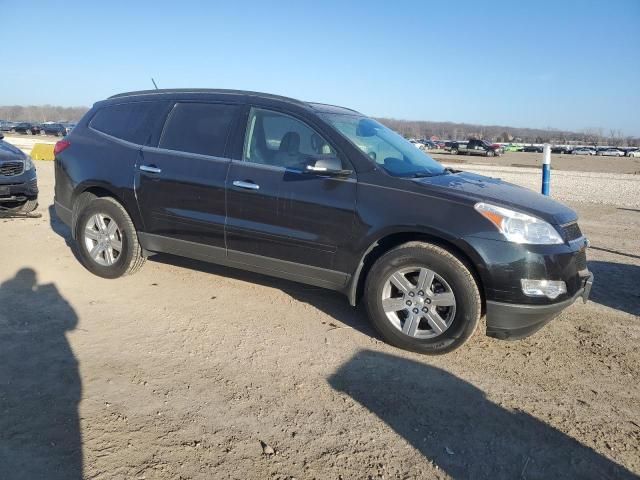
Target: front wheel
column 422, row 298
column 490, row 153
column 107, row 239
column 454, row 151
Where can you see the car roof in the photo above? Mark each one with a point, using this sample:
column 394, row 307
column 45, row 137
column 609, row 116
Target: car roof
column 319, row 107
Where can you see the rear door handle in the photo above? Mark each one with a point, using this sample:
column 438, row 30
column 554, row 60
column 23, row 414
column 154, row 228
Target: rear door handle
column 246, row 185
column 150, row 169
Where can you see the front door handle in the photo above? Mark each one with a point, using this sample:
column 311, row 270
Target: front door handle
column 150, row 169
column 246, row 185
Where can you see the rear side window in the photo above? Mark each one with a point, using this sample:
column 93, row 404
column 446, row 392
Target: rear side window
column 199, row 128
column 133, row 122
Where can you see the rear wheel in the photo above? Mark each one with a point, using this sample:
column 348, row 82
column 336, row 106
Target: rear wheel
column 422, row 298
column 107, row 239
column 454, row 151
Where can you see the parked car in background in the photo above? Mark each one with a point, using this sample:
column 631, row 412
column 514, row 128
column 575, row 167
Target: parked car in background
column 448, row 145
column 511, row 148
column 26, row 128
column 321, row 195
column 429, row 145
column 418, row 144
column 584, row 151
column 560, row 149
column 6, row 126
column 533, row 148
column 56, row 129
column 633, row 153
column 476, row 147
column 628, row 150
column 18, row 181
column 610, row 152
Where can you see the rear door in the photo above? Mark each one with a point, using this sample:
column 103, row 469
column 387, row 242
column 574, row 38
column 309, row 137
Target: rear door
column 279, row 216
column 180, row 184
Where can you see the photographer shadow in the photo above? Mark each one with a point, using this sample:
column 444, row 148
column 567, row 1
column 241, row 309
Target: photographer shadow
column 40, row 385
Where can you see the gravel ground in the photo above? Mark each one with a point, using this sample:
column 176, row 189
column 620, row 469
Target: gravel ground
column 571, row 163
column 616, row 189
column 192, row 371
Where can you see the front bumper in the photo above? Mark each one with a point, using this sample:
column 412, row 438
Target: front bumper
column 508, row 321
column 19, row 188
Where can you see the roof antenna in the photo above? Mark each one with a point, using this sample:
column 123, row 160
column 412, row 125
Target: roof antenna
column 154, row 83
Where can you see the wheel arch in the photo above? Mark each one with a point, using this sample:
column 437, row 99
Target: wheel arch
column 99, row 191
column 389, row 241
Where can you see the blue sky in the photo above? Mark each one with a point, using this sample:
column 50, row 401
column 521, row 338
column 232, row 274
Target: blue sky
column 569, row 64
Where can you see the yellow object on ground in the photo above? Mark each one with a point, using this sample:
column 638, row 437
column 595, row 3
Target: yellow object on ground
column 42, row 151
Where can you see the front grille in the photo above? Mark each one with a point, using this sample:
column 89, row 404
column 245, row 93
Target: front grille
column 11, row 169
column 581, row 260
column 571, row 231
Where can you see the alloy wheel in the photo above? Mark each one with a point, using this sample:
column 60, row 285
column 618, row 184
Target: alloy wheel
column 418, row 302
column 103, row 239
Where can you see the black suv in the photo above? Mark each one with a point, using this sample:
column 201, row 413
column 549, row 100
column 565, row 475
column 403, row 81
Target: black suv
column 18, row 181
column 56, row 129
column 322, row 195
column 26, row 127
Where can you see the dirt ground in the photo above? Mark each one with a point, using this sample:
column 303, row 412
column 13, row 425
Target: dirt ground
column 182, row 370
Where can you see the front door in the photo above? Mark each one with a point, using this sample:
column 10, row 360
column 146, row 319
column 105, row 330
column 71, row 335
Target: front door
column 279, row 216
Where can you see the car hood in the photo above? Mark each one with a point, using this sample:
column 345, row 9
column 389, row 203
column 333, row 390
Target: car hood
column 478, row 188
column 9, row 152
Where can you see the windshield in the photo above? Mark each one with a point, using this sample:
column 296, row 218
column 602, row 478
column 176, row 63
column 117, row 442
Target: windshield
column 386, row 148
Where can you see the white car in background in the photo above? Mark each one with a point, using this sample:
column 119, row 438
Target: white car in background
column 583, row 151
column 634, row 153
column 611, row 152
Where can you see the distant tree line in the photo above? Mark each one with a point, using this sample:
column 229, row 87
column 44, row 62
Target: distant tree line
column 421, row 129
column 407, row 128
column 41, row 113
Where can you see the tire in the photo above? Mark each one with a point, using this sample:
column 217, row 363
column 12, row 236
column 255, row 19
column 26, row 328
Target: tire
column 491, row 153
column 450, row 276
column 453, row 151
column 126, row 254
column 26, row 207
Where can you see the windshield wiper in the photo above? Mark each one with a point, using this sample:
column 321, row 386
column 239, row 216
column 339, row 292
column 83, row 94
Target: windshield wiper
column 421, row 175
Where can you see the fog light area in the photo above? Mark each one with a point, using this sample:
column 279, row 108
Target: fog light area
column 543, row 288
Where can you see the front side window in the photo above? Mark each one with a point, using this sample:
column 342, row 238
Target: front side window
column 280, row 140
column 133, row 122
column 200, row 128
column 386, row 148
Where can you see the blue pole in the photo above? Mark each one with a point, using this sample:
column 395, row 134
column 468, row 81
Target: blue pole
column 546, row 169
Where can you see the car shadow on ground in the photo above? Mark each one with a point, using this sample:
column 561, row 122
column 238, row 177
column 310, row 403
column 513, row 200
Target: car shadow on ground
column 332, row 303
column 40, row 385
column 453, row 424
column 616, row 285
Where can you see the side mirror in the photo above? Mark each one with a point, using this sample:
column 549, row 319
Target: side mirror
column 328, row 166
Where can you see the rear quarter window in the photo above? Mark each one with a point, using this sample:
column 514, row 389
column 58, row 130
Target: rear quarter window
column 133, row 122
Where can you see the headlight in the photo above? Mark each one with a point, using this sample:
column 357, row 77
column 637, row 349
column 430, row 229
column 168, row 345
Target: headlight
column 519, row 227
column 28, row 163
